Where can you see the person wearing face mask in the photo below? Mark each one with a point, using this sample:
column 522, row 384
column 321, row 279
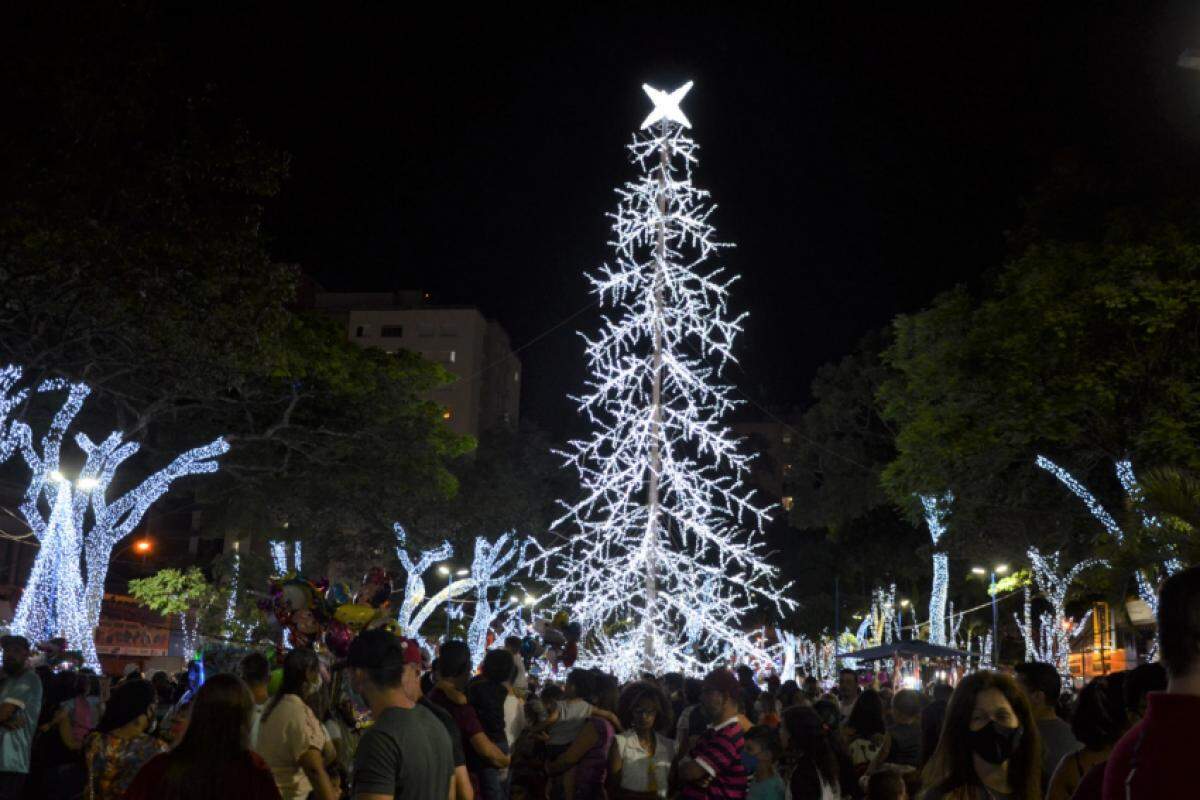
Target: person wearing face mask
column 989, row 748
column 122, row 742
column 290, row 738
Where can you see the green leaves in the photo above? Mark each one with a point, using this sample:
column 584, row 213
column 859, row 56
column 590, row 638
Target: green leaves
column 172, row 591
column 1079, row 348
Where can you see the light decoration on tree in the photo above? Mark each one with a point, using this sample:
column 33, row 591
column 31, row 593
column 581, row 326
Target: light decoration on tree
column 1128, row 480
column 416, row 608
column 280, row 551
column 788, row 647
column 494, row 565
column 936, row 509
column 658, row 536
column 1052, row 643
column 880, row 625
column 76, row 539
column 985, row 651
column 232, row 627
column 954, row 626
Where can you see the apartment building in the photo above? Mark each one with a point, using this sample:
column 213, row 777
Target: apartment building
column 486, row 390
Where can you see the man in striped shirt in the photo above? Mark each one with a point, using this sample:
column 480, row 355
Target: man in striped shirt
column 713, row 770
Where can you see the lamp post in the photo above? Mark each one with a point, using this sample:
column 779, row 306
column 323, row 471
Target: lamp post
column 444, row 571
column 999, row 569
column 900, row 617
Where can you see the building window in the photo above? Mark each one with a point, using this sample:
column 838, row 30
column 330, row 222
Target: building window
column 391, row 331
column 787, row 469
column 787, row 438
column 447, row 414
column 788, row 501
column 453, row 356
column 360, row 331
column 516, row 377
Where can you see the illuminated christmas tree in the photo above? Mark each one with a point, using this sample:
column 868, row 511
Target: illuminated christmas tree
column 662, row 554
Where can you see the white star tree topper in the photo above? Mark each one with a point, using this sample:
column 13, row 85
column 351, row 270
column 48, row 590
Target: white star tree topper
column 666, row 105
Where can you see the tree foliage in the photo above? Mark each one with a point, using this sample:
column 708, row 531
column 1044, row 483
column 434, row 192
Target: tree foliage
column 1086, row 351
column 173, row 591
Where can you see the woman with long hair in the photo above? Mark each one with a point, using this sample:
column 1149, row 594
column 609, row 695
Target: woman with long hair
column 640, row 762
column 865, row 729
column 213, row 761
column 810, row 767
column 121, row 743
column 989, row 747
column 290, row 738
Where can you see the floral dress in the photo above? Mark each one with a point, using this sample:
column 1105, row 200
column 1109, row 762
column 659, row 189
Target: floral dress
column 113, row 761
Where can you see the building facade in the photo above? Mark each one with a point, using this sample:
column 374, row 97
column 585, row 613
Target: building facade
column 486, row 390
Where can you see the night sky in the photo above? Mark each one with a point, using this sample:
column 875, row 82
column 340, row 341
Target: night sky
column 861, row 161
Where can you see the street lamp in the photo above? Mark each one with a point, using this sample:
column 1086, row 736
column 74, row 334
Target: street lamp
column 900, row 617
column 999, row 569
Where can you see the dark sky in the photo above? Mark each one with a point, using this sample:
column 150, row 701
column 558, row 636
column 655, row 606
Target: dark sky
column 861, row 161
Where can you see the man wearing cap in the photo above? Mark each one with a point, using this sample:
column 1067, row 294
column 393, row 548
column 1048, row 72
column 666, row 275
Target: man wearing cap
column 20, row 704
column 406, row 754
column 713, row 770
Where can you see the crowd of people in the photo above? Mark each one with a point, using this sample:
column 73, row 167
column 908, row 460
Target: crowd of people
column 391, row 724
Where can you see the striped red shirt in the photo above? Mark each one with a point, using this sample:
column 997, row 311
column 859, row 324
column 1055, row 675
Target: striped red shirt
column 719, row 752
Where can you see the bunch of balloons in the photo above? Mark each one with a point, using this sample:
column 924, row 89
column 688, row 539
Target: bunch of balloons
column 319, row 611
column 560, row 637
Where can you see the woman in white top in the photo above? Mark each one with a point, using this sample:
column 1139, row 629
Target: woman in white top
column 640, row 760
column 290, row 739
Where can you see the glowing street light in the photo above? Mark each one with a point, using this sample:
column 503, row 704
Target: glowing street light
column 998, row 569
column 143, row 546
column 443, row 570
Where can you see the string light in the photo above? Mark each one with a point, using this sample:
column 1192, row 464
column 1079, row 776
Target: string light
column 1053, row 642
column 1128, row 481
column 57, row 599
column 231, row 625
column 413, row 614
column 936, row 509
column 492, row 567
column 658, row 530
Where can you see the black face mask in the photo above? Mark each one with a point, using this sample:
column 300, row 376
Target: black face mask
column 995, row 744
